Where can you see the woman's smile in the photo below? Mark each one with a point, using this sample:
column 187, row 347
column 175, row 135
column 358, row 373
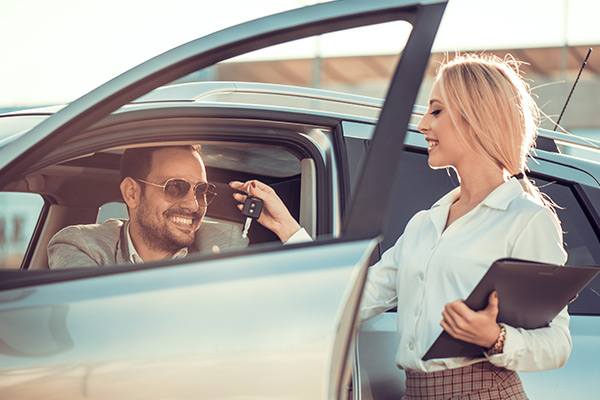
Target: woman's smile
column 432, row 143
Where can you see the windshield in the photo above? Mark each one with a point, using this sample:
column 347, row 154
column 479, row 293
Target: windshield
column 14, row 126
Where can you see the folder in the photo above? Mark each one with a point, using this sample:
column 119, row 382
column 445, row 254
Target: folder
column 530, row 295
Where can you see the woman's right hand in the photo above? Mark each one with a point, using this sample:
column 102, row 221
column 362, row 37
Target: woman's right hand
column 275, row 215
column 479, row 327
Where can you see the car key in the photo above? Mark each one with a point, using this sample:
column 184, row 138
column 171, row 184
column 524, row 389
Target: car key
column 252, row 208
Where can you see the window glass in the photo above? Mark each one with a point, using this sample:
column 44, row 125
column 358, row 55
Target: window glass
column 350, row 61
column 580, row 239
column 420, row 187
column 11, row 127
column 19, row 213
column 581, row 242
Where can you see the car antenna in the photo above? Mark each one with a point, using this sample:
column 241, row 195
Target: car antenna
column 573, row 88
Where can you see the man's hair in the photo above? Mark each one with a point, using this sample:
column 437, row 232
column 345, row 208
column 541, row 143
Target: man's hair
column 136, row 162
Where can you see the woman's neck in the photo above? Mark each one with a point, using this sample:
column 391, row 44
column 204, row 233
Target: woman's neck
column 475, row 185
column 477, row 182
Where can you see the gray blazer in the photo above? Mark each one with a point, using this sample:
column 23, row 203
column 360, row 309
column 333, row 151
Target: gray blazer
column 106, row 244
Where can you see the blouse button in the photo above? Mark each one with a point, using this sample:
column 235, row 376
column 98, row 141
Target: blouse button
column 421, row 276
column 411, row 346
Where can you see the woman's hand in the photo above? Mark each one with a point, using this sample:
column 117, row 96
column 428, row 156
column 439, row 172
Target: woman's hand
column 275, row 215
column 479, row 327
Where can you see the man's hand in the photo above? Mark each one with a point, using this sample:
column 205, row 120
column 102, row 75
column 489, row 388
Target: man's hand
column 275, row 215
column 479, row 327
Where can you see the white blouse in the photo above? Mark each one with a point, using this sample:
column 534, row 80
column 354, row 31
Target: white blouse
column 429, row 267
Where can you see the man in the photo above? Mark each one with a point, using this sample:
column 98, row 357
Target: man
column 167, row 193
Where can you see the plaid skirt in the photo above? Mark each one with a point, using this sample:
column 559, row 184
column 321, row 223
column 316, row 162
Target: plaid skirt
column 481, row 381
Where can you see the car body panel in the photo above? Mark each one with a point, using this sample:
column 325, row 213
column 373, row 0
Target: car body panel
column 240, row 328
column 577, row 378
column 381, row 379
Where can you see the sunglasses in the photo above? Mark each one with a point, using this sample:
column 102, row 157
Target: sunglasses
column 176, row 189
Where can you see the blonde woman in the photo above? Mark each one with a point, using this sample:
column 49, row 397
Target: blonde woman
column 482, row 122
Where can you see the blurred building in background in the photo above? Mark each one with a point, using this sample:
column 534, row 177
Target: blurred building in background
column 550, row 71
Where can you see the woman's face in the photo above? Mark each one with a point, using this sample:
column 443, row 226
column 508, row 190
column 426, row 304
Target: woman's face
column 446, row 149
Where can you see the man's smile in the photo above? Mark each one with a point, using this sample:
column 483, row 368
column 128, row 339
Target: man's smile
column 187, row 222
column 181, row 220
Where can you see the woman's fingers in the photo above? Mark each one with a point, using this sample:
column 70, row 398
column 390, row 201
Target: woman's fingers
column 237, row 185
column 479, row 327
column 240, row 197
column 453, row 316
column 274, row 216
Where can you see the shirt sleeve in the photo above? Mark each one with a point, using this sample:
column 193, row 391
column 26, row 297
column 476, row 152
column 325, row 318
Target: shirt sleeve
column 300, row 236
column 68, row 249
column 549, row 347
column 380, row 293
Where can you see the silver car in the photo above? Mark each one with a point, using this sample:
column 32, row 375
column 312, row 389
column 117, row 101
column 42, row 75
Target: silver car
column 270, row 321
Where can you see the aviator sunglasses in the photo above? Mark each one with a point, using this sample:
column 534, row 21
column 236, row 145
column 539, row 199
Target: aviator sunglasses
column 176, row 189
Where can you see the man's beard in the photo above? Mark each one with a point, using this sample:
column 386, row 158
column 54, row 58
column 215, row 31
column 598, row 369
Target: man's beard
column 158, row 235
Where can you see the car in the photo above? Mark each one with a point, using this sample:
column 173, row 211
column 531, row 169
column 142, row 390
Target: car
column 270, row 320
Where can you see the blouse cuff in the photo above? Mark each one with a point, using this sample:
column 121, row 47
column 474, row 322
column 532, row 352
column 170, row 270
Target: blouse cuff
column 513, row 344
column 300, row 236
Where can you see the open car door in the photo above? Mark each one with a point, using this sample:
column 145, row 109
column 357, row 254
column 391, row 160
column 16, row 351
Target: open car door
column 259, row 323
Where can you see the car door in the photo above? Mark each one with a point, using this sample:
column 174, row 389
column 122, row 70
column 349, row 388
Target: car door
column 259, row 323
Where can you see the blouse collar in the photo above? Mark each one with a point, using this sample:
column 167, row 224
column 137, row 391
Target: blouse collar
column 499, row 198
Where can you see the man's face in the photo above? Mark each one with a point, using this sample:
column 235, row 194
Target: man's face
column 163, row 224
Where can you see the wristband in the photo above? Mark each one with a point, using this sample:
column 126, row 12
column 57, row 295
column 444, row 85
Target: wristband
column 497, row 347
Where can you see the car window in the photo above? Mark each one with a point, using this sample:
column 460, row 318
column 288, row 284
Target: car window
column 420, row 187
column 19, row 213
column 315, row 62
column 11, row 127
column 581, row 241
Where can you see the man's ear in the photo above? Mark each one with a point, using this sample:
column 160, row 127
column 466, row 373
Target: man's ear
column 131, row 192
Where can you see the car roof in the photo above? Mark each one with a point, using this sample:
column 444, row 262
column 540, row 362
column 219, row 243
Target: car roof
column 284, row 98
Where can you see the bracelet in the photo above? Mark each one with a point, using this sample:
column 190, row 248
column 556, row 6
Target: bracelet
column 497, row 347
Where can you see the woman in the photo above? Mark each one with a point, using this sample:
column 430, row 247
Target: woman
column 481, row 122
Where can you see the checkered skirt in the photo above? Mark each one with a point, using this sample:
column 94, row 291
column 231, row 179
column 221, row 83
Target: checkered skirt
column 481, row 381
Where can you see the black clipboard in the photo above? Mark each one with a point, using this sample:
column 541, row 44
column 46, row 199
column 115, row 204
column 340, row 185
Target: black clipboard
column 530, row 295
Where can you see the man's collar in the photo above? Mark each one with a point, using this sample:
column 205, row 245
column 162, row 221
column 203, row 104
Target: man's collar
column 134, row 256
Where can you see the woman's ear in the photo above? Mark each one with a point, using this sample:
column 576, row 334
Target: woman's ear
column 131, row 191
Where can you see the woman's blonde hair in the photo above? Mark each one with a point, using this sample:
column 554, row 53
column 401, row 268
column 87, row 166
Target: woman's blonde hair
column 487, row 97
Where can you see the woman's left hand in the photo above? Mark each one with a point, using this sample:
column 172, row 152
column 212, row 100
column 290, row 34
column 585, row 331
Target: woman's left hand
column 478, row 327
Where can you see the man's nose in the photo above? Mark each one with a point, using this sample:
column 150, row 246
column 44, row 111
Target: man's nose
column 190, row 202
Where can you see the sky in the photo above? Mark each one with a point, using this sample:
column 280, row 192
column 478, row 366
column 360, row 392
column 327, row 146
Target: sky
column 53, row 51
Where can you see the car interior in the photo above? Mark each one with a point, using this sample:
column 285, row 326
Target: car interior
column 80, row 182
